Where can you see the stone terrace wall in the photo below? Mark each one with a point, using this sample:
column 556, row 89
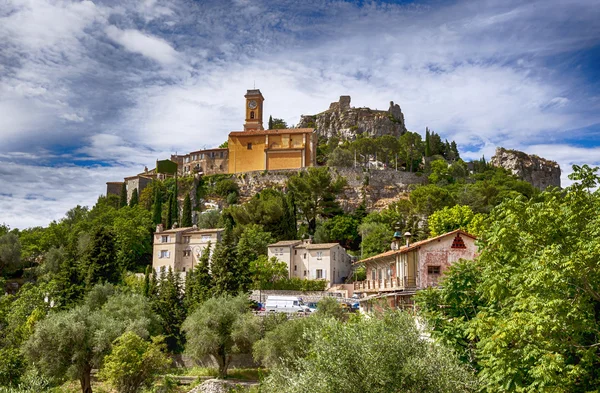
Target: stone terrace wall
column 379, row 187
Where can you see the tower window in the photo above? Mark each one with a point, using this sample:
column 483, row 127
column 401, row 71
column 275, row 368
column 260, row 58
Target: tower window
column 249, row 146
column 252, row 115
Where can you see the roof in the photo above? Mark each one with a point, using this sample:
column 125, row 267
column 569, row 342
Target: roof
column 191, row 230
column 210, row 230
column 313, row 246
column 273, row 132
column 415, row 245
column 285, row 243
column 174, row 230
column 203, row 150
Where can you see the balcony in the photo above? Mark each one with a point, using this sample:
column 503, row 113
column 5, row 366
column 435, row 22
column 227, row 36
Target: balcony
column 387, row 284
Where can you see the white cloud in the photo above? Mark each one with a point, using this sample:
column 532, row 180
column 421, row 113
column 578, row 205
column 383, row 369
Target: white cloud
column 145, row 44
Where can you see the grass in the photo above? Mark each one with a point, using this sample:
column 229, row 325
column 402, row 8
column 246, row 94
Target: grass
column 246, row 374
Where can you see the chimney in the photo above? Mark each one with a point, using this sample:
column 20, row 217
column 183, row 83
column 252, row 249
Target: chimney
column 159, row 228
column 397, row 237
column 407, row 236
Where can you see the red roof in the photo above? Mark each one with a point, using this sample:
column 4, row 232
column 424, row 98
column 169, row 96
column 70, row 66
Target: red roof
column 414, row 245
column 273, row 132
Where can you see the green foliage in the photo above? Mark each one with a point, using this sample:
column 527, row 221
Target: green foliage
column 209, row 219
column 71, row 343
column 157, row 206
column 100, row 262
column 253, row 243
column 427, row 199
column 123, row 196
column 340, row 157
column 224, row 187
column 277, row 124
column 376, row 238
column 315, row 191
column 219, row 327
column 299, row 284
column 169, row 305
column 224, row 145
column 186, row 217
column 399, row 360
column 198, row 283
column 328, row 307
column 266, row 273
column 10, row 253
column 133, row 362
column 134, row 198
column 339, row 229
column 230, row 273
column 132, row 228
column 451, row 218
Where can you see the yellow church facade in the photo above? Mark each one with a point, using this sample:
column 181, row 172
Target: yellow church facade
column 257, row 149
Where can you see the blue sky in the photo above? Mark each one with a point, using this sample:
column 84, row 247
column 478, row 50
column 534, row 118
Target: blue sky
column 93, row 91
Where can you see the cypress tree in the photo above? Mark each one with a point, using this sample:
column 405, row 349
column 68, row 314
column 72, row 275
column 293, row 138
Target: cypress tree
column 134, row 198
column 169, row 306
column 427, row 145
column 228, row 274
column 100, row 262
column 157, row 207
column 169, row 222
column 147, row 274
column 270, row 122
column 198, row 286
column 186, row 219
column 123, row 196
column 454, row 149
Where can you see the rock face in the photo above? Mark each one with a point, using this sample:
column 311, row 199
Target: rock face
column 346, row 122
column 541, row 173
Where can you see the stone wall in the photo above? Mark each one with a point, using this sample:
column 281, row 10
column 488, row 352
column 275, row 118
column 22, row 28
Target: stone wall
column 538, row 171
column 379, row 187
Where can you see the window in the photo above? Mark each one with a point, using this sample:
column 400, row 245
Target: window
column 304, row 256
column 295, row 252
column 252, row 115
column 319, row 273
column 184, row 269
column 164, row 239
column 281, row 251
column 334, row 255
column 249, row 146
column 305, row 273
column 433, row 270
column 186, row 239
column 319, row 254
column 187, row 253
column 221, row 154
column 205, row 238
column 373, row 274
column 164, row 254
column 295, row 268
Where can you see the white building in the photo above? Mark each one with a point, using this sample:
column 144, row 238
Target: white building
column 181, row 248
column 327, row 261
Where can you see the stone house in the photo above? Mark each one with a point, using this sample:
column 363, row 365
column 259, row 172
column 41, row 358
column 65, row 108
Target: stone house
column 305, row 260
column 395, row 275
column 181, row 248
column 206, row 162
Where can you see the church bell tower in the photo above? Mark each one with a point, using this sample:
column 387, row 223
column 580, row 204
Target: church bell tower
column 254, row 110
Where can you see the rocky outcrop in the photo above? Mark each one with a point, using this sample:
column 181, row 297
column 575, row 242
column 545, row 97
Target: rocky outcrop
column 222, row 386
column 538, row 171
column 347, row 122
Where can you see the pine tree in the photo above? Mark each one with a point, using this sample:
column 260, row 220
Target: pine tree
column 186, row 217
column 198, row 285
column 228, row 277
column 427, row 145
column 169, row 306
column 169, row 222
column 100, row 262
column 454, row 149
column 123, row 196
column 157, row 207
column 134, row 198
column 270, row 122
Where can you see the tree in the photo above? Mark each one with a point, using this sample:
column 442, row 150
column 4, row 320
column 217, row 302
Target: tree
column 266, row 272
column 399, row 360
column 168, row 304
column 10, row 253
column 376, row 238
column 230, row 273
column 209, row 219
column 71, row 343
column 270, row 209
column 270, row 122
column 340, row 157
column 449, row 219
column 314, row 190
column 100, row 263
column 186, row 218
column 123, row 196
column 169, row 219
column 157, row 207
column 340, row 229
column 253, row 242
column 132, row 228
column 212, row 328
column 539, row 281
column 427, row 143
column 411, row 149
column 134, row 198
column 198, row 284
column 134, row 362
column 427, row 199
column 224, row 145
column 328, row 307
column 277, row 124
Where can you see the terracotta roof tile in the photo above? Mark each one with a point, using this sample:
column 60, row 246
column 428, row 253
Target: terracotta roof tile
column 273, row 132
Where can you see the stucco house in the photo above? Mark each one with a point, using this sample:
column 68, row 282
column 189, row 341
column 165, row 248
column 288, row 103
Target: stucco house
column 395, row 275
column 306, row 260
column 181, row 248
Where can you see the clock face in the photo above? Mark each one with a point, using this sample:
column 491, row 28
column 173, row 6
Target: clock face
column 252, row 104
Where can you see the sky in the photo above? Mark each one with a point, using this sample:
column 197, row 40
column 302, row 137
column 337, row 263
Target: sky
column 92, row 92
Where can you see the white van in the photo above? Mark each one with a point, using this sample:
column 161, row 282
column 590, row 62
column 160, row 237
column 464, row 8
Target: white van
column 289, row 304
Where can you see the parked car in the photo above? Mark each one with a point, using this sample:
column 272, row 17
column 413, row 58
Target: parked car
column 312, row 306
column 287, row 304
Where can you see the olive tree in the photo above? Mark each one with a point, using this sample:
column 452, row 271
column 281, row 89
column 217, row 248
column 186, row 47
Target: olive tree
column 71, row 343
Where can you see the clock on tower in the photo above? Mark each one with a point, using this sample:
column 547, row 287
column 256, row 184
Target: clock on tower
column 254, row 110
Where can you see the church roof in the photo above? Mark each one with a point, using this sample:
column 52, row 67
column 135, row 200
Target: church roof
column 273, row 132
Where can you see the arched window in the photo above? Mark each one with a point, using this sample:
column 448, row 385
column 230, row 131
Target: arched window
column 252, row 115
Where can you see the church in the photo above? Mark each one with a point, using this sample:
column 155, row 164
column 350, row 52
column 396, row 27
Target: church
column 257, row 149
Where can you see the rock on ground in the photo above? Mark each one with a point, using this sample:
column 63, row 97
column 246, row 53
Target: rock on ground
column 220, row 385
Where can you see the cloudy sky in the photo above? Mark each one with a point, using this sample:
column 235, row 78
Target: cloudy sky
column 93, row 91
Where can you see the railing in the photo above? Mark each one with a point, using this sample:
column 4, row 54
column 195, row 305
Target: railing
column 387, row 283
